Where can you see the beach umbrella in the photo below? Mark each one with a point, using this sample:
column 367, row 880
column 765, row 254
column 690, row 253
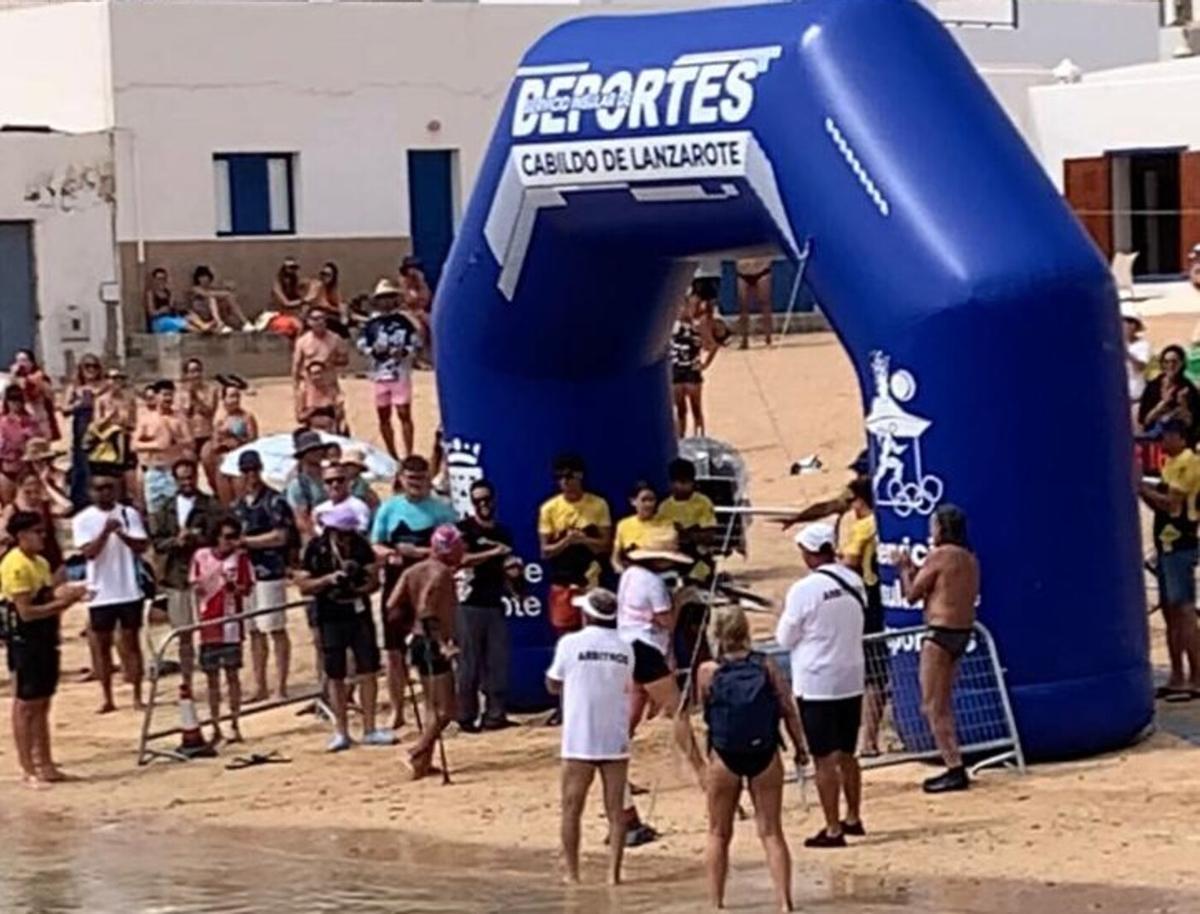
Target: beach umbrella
column 279, row 462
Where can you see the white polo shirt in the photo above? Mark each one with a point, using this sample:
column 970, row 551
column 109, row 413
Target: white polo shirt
column 822, row 625
column 595, row 666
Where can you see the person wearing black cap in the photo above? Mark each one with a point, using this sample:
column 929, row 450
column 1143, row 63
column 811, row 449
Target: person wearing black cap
column 268, row 532
column 593, row 672
column 307, row 489
column 1173, row 499
column 34, row 608
column 418, row 297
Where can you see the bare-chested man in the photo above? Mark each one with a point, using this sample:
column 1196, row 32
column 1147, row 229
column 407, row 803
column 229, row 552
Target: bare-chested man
column 161, row 438
column 948, row 583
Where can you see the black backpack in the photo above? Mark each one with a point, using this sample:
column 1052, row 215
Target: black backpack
column 742, row 711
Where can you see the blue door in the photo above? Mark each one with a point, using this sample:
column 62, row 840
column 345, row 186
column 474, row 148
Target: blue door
column 431, row 206
column 18, row 297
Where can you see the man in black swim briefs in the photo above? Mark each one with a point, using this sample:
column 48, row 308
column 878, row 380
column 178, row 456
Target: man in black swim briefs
column 948, row 583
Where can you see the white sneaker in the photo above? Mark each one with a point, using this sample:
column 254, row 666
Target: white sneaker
column 379, row 737
column 339, row 743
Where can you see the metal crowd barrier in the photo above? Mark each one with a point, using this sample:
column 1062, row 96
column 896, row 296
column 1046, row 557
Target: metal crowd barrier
column 145, row 753
column 986, row 727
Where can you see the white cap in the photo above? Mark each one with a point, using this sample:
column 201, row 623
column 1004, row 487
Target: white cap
column 598, row 603
column 816, row 537
column 1130, row 313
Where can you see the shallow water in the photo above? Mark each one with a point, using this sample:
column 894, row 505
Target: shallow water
column 50, row 865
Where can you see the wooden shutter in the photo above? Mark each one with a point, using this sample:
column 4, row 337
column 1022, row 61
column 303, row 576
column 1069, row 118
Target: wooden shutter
column 1088, row 188
column 1189, row 202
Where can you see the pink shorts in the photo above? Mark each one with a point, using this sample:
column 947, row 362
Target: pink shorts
column 393, row 393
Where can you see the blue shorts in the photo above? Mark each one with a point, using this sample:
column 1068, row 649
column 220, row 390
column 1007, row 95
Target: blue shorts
column 1177, row 577
column 159, row 487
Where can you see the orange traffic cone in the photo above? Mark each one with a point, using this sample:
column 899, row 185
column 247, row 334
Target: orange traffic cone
column 191, row 744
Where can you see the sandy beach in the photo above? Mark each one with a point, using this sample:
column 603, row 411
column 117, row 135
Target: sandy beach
column 1118, row 822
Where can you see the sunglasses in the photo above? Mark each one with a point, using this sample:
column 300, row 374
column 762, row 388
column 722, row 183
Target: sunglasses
column 569, row 474
column 335, row 480
column 482, row 500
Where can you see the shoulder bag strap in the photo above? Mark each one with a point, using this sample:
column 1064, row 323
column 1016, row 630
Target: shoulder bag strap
column 858, row 598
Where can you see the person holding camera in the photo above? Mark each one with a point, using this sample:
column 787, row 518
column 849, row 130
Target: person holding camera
column 338, row 571
column 33, row 609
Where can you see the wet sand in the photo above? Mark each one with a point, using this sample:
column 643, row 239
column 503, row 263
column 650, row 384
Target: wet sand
column 1110, row 833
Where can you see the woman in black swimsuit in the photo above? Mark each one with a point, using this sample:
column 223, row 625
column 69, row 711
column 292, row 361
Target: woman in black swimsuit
column 692, row 351
column 742, row 685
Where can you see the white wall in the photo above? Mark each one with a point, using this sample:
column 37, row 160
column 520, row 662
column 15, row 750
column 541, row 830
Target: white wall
column 63, row 184
column 349, row 86
column 1133, row 108
column 54, row 67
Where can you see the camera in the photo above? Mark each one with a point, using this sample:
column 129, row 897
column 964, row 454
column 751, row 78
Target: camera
column 354, row 576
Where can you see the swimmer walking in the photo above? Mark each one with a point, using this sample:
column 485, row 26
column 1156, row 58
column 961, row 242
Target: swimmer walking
column 948, row 582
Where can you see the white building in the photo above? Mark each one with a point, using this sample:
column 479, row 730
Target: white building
column 1124, row 147
column 246, row 131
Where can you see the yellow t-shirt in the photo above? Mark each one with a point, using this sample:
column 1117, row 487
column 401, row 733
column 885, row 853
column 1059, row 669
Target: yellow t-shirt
column 20, row 574
column 633, row 532
column 696, row 511
column 577, row 564
column 862, row 545
column 558, row 515
column 1181, row 473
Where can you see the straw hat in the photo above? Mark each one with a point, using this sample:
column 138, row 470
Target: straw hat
column 39, row 449
column 354, row 457
column 384, row 287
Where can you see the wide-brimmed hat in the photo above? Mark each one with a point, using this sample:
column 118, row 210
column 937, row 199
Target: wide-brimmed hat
column 385, row 287
column 660, row 555
column 39, row 449
column 354, row 457
column 306, row 441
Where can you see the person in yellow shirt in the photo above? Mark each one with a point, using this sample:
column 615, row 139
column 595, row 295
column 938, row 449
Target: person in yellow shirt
column 33, row 607
column 644, row 528
column 575, row 531
column 860, row 553
column 1174, row 502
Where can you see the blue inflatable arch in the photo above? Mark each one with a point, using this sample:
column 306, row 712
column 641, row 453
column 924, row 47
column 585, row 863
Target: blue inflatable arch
column 980, row 319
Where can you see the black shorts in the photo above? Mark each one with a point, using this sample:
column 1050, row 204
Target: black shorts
column 831, row 726
column 216, row 657
column 681, row 375
column 356, row 635
column 35, row 667
column 426, row 655
column 104, row 619
column 648, row 664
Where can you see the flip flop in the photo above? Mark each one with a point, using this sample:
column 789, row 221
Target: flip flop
column 1178, row 696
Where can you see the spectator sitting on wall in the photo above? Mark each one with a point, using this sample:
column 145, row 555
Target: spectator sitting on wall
column 322, row 294
column 161, row 314
column 1171, row 396
column 287, row 300
column 214, row 309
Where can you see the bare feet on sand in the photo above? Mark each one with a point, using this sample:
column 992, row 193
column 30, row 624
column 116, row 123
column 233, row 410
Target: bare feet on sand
column 107, row 708
column 33, row 782
column 236, row 735
column 259, row 695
